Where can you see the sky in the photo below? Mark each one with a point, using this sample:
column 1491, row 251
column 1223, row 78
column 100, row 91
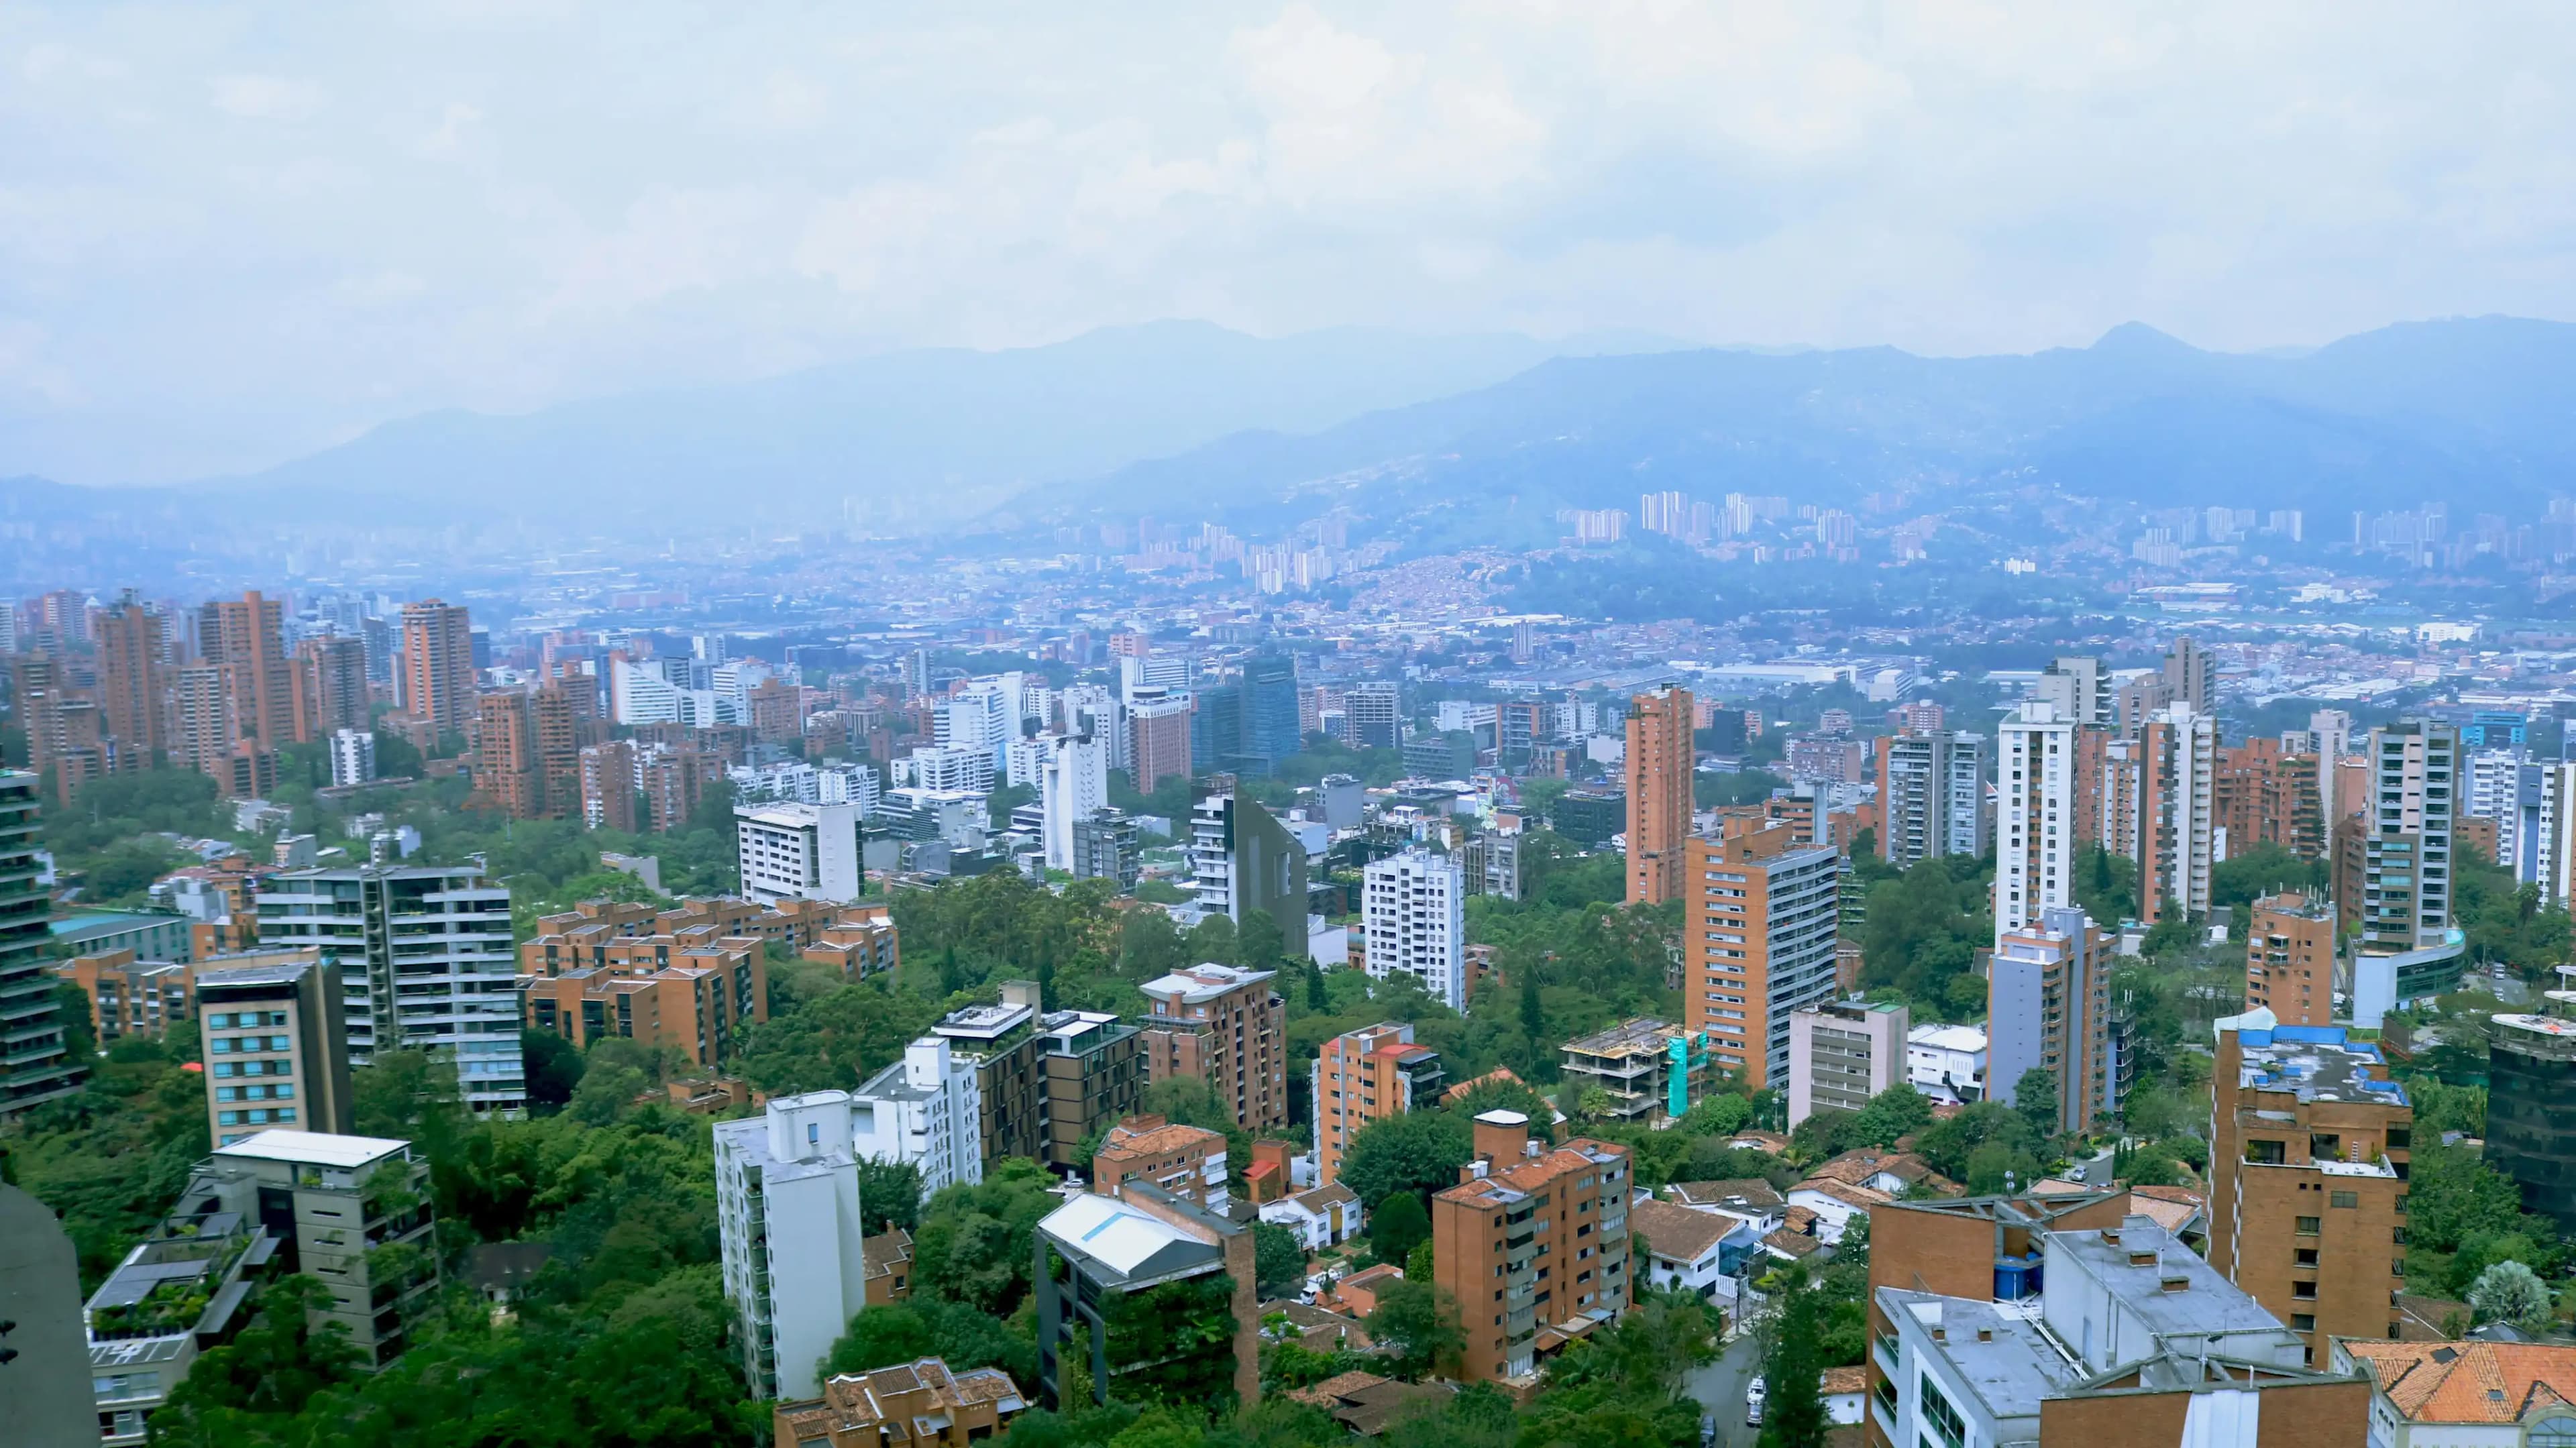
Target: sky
column 233, row 233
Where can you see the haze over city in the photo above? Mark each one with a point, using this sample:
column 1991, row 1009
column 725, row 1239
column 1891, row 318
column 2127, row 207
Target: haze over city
column 1494, row 725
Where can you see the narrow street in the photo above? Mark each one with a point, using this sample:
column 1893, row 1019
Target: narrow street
column 1720, row 1389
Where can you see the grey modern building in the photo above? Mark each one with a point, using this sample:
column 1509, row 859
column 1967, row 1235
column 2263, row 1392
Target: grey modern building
column 426, row 962
column 35, row 1062
column 1243, row 860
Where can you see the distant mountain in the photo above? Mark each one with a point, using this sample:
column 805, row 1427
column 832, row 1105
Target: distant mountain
column 912, row 431
column 2479, row 413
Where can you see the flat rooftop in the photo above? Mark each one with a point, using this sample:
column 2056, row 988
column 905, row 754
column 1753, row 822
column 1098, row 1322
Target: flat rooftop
column 2317, row 1063
column 313, row 1148
column 2205, row 1305
column 1628, row 1038
column 2002, row 1357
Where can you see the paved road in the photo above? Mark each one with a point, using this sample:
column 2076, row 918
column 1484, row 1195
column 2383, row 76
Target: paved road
column 1720, row 1387
column 2094, row 1171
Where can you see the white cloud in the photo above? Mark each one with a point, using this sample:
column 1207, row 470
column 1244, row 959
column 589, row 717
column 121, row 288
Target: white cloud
column 265, row 97
column 445, row 202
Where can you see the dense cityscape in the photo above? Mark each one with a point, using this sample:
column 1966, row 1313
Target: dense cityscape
column 1287, row 724
column 1440, row 1016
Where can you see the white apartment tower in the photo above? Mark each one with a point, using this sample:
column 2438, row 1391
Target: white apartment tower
column 927, row 1109
column 984, row 719
column 1073, row 780
column 789, row 1218
column 799, row 852
column 2034, row 815
column 1414, row 908
column 353, row 756
column 2177, row 814
column 426, row 962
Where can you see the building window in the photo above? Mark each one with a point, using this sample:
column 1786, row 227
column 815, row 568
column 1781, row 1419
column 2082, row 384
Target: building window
column 2308, row 1226
column 2347, row 1199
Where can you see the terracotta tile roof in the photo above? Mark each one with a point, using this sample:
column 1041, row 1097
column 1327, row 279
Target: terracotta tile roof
column 1752, row 1193
column 2470, row 1382
column 1677, row 1232
column 1844, row 1192
column 1164, row 1138
column 2171, row 1208
column 1845, row 1380
column 1327, row 1393
column 1499, row 1075
column 1858, row 1166
column 1316, row 1199
column 1789, row 1244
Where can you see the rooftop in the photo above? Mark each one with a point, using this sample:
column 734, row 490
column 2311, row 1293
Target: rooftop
column 1131, row 1244
column 313, row 1148
column 1676, row 1231
column 1643, row 1036
column 1947, row 1038
column 2005, row 1358
column 984, row 1023
column 2137, row 1264
column 252, row 975
column 2469, row 1382
column 1743, row 1194
column 1199, row 984
column 2317, row 1063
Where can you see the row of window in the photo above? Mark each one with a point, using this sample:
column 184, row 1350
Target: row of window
column 244, row 1020
column 284, row 1091
column 258, row 1116
column 253, row 1068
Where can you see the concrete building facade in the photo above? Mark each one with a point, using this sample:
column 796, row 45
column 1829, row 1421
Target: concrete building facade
column 1414, row 908
column 1658, row 769
column 1758, row 944
column 793, row 1235
column 1368, row 1075
column 1842, row 1053
column 2308, row 1152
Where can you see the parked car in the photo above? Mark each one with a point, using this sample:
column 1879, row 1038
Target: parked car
column 1753, row 1404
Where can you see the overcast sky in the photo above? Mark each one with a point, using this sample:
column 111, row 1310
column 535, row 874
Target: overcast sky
column 232, row 233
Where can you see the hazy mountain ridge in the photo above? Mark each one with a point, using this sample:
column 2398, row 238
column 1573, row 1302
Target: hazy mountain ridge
column 2480, row 413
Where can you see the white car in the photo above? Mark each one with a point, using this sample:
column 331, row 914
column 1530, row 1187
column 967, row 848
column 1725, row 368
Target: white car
column 1753, row 1404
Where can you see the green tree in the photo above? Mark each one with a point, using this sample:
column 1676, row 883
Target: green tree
column 1418, row 1324
column 2510, row 1292
column 889, row 1194
column 1898, row 1111
column 274, row 1367
column 835, row 1040
column 1279, row 1260
column 1399, row 1226
column 1416, row 1152
column 1793, row 1409
column 2035, row 1098
column 976, row 1241
column 606, row 1093
column 553, row 1068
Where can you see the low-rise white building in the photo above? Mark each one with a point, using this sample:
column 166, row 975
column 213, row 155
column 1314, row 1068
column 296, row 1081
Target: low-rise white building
column 791, row 1226
column 1322, row 1218
column 927, row 1109
column 1687, row 1250
column 799, row 852
column 1947, row 1063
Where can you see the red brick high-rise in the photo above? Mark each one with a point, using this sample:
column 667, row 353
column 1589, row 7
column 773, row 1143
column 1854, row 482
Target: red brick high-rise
column 247, row 636
column 1659, row 764
column 438, row 665
column 133, row 679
